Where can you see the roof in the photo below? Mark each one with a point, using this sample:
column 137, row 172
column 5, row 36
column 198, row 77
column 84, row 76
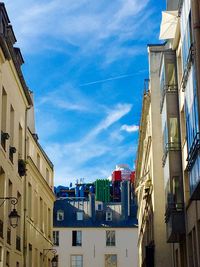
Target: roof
column 71, row 207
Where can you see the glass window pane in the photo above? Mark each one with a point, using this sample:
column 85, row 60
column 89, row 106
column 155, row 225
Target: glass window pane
column 111, row 260
column 173, row 130
column 76, row 261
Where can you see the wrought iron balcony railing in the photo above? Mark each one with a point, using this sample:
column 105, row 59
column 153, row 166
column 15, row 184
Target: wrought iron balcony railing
column 168, row 88
column 171, row 146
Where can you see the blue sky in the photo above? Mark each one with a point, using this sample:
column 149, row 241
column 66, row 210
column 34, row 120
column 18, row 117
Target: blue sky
column 86, row 61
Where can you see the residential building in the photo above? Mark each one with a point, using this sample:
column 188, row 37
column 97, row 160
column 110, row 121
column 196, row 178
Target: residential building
column 179, row 111
column 22, row 180
column 152, row 247
column 93, row 233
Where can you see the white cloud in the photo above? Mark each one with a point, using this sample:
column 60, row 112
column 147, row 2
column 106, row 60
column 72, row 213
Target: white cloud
column 130, row 128
column 73, row 160
column 88, row 25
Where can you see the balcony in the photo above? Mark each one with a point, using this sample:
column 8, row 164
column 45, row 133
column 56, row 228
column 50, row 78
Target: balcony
column 175, row 222
column 1, row 228
column 193, row 152
column 172, row 146
column 167, row 89
column 18, row 243
column 9, row 236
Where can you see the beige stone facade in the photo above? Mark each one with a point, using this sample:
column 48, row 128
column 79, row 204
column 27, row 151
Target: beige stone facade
column 153, row 249
column 26, row 173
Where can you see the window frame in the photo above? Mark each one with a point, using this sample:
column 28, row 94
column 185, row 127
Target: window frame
column 56, row 238
column 60, row 213
column 106, row 258
column 76, row 255
column 76, row 238
column 110, row 238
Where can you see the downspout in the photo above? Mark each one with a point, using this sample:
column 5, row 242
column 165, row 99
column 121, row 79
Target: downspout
column 25, row 191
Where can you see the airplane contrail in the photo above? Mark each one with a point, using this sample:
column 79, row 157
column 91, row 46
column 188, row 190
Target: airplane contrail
column 112, row 78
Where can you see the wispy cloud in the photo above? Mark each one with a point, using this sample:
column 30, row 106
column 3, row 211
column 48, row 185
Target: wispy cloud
column 130, row 128
column 88, row 25
column 80, row 154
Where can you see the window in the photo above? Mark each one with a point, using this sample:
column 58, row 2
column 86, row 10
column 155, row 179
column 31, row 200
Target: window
column 0, row 254
column 29, row 200
column 20, row 139
column 7, row 258
column 38, row 161
column 79, row 215
column 171, row 76
column 76, row 238
column 60, row 215
column 3, row 118
column 76, row 260
column 56, row 238
column 47, row 175
column 111, row 260
column 173, row 131
column 30, row 255
column 12, row 149
column 100, row 207
column 177, row 191
column 108, row 215
column 41, row 214
column 110, row 238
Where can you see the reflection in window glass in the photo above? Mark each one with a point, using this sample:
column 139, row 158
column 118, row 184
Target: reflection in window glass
column 173, row 130
column 110, row 238
column 171, row 74
column 111, row 260
column 177, row 190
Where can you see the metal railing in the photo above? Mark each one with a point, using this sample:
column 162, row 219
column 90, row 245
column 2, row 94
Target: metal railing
column 167, row 88
column 171, row 146
column 193, row 151
column 172, row 208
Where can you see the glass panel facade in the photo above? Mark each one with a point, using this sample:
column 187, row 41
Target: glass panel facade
column 192, row 127
column 186, row 40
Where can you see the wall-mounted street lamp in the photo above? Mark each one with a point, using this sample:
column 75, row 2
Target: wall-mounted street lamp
column 13, row 216
column 54, row 261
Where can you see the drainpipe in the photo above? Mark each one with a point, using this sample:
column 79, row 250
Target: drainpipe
column 25, row 191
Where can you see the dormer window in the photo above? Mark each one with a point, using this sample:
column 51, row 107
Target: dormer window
column 79, row 215
column 100, row 207
column 108, row 215
column 60, row 215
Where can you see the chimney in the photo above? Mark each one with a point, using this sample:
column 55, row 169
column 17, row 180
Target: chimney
column 92, row 206
column 125, row 200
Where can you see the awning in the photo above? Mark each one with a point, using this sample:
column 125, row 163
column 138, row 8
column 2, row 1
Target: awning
column 168, row 25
